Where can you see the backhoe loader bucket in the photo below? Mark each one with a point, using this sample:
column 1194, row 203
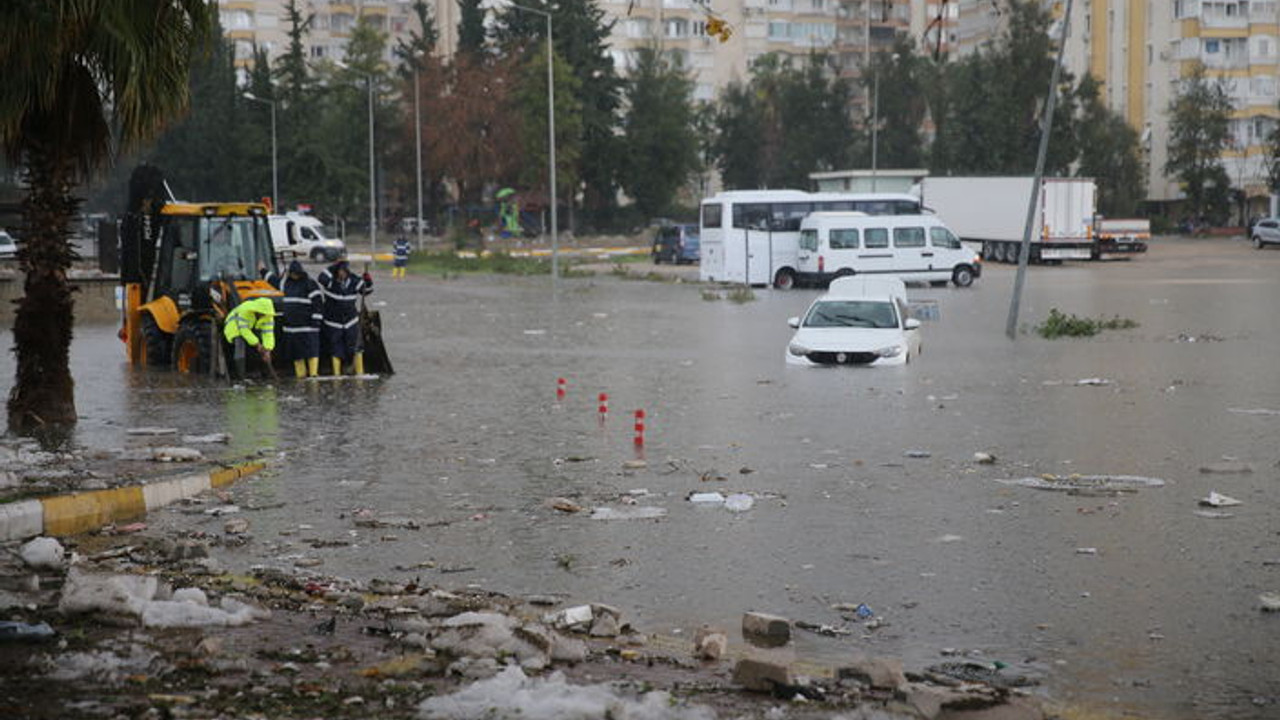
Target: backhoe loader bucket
column 376, row 360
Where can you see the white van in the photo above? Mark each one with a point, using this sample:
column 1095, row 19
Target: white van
column 301, row 235
column 912, row 247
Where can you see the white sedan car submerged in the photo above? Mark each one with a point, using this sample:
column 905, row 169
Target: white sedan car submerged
column 860, row 321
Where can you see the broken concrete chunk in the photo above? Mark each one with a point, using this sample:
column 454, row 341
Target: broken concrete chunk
column 1269, row 602
column 236, row 526
column 984, row 458
column 209, row 439
column 881, row 672
column 570, row 617
column 43, row 553
column 767, row 626
column 605, row 626
column 758, row 675
column 710, row 644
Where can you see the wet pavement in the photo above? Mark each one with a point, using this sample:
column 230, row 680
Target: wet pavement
column 866, row 488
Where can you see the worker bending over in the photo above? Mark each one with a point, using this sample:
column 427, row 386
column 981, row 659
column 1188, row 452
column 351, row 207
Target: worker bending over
column 303, row 313
column 252, row 324
column 340, row 335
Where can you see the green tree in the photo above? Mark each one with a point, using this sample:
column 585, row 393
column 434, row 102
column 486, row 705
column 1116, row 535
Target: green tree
column 784, row 124
column 78, row 76
column 660, row 147
column 1109, row 153
column 581, row 35
column 202, row 153
column 531, row 104
column 341, row 126
column 739, row 137
column 987, row 107
column 902, row 105
column 471, row 31
column 420, row 42
column 1199, row 130
column 301, row 165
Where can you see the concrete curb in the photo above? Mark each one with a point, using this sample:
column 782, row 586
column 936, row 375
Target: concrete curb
column 77, row 513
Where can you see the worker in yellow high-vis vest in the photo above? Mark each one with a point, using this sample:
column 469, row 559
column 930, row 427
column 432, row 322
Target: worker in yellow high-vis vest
column 252, row 323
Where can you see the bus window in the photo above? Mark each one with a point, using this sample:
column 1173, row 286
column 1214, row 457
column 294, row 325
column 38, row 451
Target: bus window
column 787, row 216
column 908, row 237
column 941, row 237
column 844, row 239
column 834, row 205
column 874, row 207
column 906, row 207
column 711, row 215
column 809, row 240
column 873, row 238
column 751, row 216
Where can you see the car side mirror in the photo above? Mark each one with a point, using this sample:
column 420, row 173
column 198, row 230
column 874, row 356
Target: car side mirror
column 911, row 324
column 794, row 323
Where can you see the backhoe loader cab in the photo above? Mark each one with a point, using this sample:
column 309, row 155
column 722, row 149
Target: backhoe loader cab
column 184, row 268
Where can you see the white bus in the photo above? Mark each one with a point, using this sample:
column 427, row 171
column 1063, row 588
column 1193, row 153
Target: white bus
column 753, row 236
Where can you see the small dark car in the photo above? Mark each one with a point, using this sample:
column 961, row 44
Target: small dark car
column 676, row 244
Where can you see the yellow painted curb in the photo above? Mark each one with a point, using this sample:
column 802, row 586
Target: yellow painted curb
column 226, row 476
column 82, row 512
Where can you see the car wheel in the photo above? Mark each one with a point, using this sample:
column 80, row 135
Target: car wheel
column 962, row 276
column 784, row 280
column 318, row 255
column 1257, row 242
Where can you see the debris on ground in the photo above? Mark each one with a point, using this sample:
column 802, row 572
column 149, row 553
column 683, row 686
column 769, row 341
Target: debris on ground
column 176, row 454
column 1084, row 484
column 511, row 693
column 1215, row 499
column 1227, row 466
column 43, row 553
column 1269, row 602
column 984, row 458
column 634, row 512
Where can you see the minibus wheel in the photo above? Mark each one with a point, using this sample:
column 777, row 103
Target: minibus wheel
column 962, row 276
column 784, row 279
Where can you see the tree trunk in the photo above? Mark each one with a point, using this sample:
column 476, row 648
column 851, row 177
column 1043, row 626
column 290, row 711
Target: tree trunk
column 43, row 396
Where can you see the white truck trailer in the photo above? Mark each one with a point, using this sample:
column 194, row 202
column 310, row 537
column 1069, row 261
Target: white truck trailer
column 990, row 214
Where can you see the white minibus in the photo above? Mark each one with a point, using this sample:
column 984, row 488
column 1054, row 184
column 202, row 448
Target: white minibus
column 752, row 236
column 913, row 247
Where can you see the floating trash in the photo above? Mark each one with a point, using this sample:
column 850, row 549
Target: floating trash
column 1077, row 483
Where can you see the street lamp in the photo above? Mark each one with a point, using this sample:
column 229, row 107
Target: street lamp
column 417, row 138
column 551, row 135
column 275, row 167
column 373, row 182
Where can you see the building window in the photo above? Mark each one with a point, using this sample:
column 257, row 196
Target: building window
column 318, row 51
column 1211, row 47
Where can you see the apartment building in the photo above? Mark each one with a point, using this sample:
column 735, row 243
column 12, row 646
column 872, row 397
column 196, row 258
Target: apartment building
column 1141, row 49
column 264, row 23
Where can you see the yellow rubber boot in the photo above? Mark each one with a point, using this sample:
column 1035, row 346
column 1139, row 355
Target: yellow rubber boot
column 313, row 366
column 359, row 364
column 337, row 366
column 300, row 368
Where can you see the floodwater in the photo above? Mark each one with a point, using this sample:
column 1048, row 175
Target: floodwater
column 469, row 439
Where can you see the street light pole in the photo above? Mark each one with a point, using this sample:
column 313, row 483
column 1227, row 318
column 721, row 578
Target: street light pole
column 373, row 180
column 417, row 136
column 551, row 137
column 275, row 166
column 875, row 131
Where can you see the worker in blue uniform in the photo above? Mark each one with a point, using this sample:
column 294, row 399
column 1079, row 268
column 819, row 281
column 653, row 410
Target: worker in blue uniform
column 303, row 306
column 401, row 251
column 340, row 331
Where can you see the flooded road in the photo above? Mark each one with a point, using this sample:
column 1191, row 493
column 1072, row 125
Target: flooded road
column 469, row 441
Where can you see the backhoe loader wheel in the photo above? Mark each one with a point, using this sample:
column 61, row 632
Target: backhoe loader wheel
column 193, row 346
column 156, row 343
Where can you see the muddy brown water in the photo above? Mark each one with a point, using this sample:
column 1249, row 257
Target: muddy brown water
column 469, row 440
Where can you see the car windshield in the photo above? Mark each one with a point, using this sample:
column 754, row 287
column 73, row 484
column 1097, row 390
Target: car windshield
column 852, row 313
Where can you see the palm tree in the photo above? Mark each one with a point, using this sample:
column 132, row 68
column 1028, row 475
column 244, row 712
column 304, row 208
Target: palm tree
column 81, row 79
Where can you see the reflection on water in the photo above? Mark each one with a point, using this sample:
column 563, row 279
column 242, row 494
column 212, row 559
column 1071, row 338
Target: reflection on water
column 469, row 439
